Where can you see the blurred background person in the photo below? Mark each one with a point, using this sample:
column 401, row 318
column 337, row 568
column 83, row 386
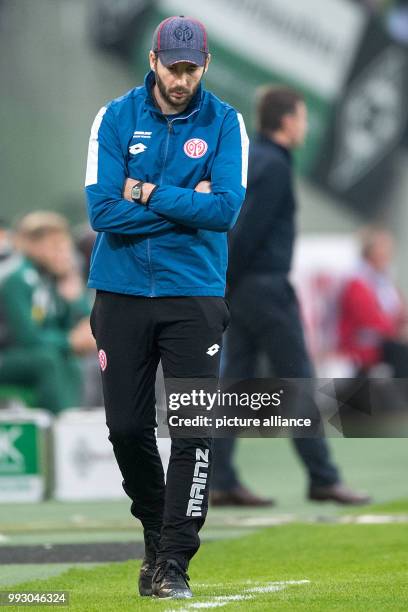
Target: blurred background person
column 265, row 317
column 373, row 315
column 46, row 314
column 85, row 237
column 9, row 259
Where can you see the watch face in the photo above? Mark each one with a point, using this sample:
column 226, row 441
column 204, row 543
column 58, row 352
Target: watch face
column 136, row 192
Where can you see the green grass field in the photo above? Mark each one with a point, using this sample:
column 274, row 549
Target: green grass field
column 326, row 558
column 291, row 567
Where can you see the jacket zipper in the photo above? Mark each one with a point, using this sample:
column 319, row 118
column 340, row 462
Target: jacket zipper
column 169, row 131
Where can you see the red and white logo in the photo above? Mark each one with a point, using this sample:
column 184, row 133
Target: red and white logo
column 195, row 148
column 103, row 360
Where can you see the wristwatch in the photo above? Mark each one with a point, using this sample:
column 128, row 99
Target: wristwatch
column 136, row 192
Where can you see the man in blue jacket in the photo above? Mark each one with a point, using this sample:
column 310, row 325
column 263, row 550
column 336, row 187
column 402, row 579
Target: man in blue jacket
column 166, row 178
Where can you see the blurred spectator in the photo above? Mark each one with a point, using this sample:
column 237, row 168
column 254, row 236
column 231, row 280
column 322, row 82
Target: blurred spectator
column 8, row 261
column 373, row 318
column 46, row 313
column 265, row 317
column 84, row 242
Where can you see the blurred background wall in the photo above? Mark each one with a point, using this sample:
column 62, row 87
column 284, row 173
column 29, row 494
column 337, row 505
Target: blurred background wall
column 61, row 60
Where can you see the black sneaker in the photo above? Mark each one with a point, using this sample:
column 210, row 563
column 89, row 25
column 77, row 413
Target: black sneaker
column 170, row 581
column 152, row 539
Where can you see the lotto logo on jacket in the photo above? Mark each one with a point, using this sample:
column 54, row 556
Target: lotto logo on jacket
column 178, row 245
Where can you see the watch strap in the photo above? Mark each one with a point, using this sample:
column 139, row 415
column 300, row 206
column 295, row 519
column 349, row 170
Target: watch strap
column 151, row 193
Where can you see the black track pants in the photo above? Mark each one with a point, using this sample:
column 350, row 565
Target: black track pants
column 132, row 335
column 270, row 325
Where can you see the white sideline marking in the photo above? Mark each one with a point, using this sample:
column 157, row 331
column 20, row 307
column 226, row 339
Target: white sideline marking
column 232, row 597
column 219, row 601
column 209, row 604
column 375, row 519
column 4, row 538
column 273, row 588
column 260, row 521
column 284, row 582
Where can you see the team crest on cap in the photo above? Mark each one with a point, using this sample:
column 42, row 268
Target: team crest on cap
column 195, row 148
column 103, row 360
column 183, row 33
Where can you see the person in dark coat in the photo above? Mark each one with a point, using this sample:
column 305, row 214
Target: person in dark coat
column 265, row 319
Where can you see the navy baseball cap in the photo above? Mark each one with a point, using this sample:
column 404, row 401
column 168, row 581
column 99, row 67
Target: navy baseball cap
column 181, row 39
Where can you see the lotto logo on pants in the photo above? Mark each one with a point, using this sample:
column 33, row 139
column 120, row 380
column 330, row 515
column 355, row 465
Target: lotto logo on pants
column 199, row 482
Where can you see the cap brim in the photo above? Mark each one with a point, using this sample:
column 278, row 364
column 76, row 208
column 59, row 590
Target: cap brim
column 168, row 57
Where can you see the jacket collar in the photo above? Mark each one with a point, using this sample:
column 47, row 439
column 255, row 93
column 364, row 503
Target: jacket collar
column 195, row 103
column 274, row 145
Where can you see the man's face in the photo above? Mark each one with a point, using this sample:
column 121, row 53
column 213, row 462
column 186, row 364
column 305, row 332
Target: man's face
column 53, row 252
column 296, row 125
column 178, row 83
column 381, row 251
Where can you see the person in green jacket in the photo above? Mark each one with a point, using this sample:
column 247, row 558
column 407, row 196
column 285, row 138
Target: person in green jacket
column 46, row 312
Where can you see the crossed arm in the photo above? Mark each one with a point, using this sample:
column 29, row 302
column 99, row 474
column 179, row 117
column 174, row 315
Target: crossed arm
column 214, row 207
column 202, row 187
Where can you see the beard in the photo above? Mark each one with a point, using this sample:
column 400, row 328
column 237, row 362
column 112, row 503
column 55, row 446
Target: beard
column 166, row 94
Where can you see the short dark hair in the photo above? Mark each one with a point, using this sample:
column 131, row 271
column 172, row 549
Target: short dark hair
column 273, row 103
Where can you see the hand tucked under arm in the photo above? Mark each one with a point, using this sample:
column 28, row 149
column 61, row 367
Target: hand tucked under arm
column 215, row 209
column 81, row 339
column 203, row 187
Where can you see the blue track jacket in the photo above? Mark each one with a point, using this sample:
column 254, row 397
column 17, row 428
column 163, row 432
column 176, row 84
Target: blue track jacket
column 178, row 245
